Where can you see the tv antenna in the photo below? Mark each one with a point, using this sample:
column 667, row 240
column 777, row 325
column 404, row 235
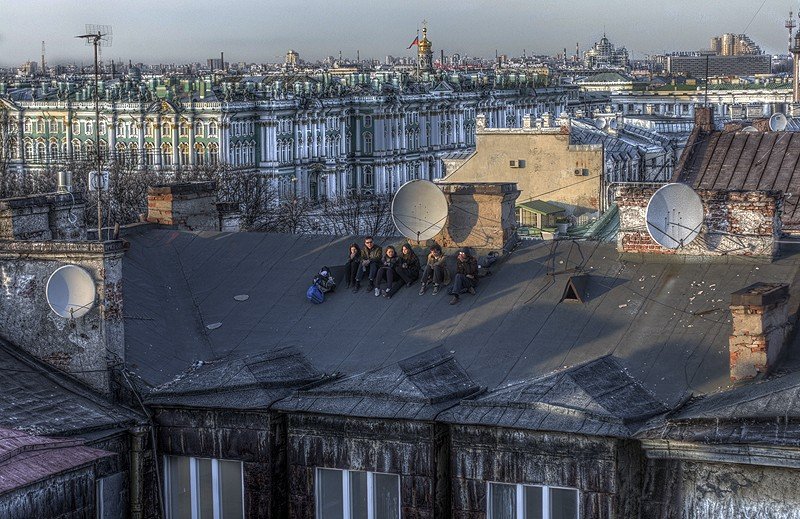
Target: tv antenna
column 70, row 292
column 790, row 25
column 778, row 122
column 419, row 210
column 97, row 36
column 674, row 216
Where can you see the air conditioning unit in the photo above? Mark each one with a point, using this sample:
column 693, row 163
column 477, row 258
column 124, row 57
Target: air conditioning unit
column 516, row 163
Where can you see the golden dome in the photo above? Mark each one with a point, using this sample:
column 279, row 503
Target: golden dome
column 424, row 43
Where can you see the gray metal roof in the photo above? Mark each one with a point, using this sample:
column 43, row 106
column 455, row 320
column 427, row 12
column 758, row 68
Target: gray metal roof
column 238, row 382
column 665, row 320
column 40, row 400
column 419, row 388
column 597, row 398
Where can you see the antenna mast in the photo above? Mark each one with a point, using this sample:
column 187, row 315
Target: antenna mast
column 790, row 25
column 42, row 56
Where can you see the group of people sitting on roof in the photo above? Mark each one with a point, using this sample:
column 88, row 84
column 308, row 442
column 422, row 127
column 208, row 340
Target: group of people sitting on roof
column 404, row 269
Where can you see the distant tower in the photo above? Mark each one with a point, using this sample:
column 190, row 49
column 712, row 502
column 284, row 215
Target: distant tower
column 42, row 57
column 790, row 25
column 425, row 52
column 795, row 50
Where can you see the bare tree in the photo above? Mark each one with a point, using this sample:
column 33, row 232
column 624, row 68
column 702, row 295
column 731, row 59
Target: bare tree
column 357, row 214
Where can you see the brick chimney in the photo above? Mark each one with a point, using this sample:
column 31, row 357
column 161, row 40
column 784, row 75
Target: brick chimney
column 761, row 325
column 187, row 206
column 481, row 215
column 704, row 118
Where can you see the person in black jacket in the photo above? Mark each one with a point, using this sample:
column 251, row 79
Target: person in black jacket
column 371, row 256
column 407, row 269
column 466, row 276
column 386, row 270
column 352, row 264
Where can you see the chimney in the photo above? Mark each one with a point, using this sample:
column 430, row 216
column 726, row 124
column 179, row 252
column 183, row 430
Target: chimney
column 527, row 121
column 760, row 316
column 480, row 215
column 704, row 118
column 230, row 216
column 53, row 216
column 187, row 206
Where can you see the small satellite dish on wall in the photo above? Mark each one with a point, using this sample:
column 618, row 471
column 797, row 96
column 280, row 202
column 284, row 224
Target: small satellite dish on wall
column 70, row 292
column 612, row 124
column 674, row 215
column 778, row 122
column 419, row 210
column 600, row 123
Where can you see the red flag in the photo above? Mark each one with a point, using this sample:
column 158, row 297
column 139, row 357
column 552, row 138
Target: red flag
column 415, row 42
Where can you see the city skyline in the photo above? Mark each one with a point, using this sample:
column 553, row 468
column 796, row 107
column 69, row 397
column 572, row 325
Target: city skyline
column 264, row 31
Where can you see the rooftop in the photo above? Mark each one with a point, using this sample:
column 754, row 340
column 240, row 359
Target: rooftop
column 665, row 321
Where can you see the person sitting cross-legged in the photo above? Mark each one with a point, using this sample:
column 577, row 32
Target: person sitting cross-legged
column 371, row 256
column 435, row 270
column 466, row 276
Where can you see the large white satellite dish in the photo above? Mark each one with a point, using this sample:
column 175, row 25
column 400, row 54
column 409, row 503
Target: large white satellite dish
column 674, row 215
column 600, row 123
column 778, row 122
column 419, row 210
column 70, row 291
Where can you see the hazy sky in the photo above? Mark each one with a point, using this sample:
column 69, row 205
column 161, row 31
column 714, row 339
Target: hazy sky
column 166, row 31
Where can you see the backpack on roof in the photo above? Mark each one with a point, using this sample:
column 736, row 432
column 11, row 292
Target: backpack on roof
column 324, row 280
column 315, row 294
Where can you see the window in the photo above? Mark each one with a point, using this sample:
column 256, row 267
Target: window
column 76, row 127
column 198, row 129
column 531, row 502
column 367, row 121
column 53, row 126
column 368, row 143
column 27, row 125
column 350, row 494
column 202, row 487
column 184, row 129
column 212, row 129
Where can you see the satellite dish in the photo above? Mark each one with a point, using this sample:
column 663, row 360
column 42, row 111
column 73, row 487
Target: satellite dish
column 70, row 291
column 612, row 124
column 750, row 129
column 674, row 215
column 600, row 123
column 419, row 210
column 778, row 122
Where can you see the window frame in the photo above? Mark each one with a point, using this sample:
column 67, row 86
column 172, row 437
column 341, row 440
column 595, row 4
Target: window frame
column 195, row 484
column 519, row 497
column 346, row 500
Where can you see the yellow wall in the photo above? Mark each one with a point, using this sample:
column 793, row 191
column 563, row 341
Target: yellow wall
column 549, row 171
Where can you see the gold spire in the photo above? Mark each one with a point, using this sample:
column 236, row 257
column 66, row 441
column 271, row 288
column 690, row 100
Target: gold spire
column 424, row 43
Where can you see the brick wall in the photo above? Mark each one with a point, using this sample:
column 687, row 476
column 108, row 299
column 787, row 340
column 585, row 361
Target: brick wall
column 761, row 325
column 191, row 206
column 56, row 216
column 741, row 223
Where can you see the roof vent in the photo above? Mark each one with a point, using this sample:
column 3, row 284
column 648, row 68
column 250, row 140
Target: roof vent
column 576, row 288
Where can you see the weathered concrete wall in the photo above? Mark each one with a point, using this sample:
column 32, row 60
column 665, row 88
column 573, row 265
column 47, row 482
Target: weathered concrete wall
column 398, row 447
column 604, row 470
column 480, row 216
column 191, row 206
column 70, row 495
column 741, row 223
column 85, row 346
column 677, row 489
column 57, row 216
column 257, row 439
column 549, row 166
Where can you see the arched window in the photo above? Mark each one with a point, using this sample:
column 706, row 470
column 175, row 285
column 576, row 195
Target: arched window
column 27, row 125
column 122, row 155
column 28, row 149
column 120, row 129
column 53, row 149
column 150, row 154
column 39, row 125
column 184, row 129
column 88, row 149
column 166, row 154
column 89, row 128
column 12, row 146
column 148, row 129
column 53, row 126
column 103, row 150
column 76, row 149
column 213, row 153
column 200, row 153
column 369, row 178
column 198, row 129
column 76, row 128
column 134, row 129
column 133, row 153
column 41, row 151
column 212, row 129
column 102, row 127
column 368, row 143
column 165, row 128
column 184, row 152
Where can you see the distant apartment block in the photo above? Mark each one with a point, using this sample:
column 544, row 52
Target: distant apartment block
column 725, row 65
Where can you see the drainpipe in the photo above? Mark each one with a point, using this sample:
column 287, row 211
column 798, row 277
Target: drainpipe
column 137, row 446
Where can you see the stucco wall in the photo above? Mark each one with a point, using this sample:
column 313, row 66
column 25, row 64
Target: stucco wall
column 85, row 346
column 695, row 490
column 549, row 166
column 604, row 470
